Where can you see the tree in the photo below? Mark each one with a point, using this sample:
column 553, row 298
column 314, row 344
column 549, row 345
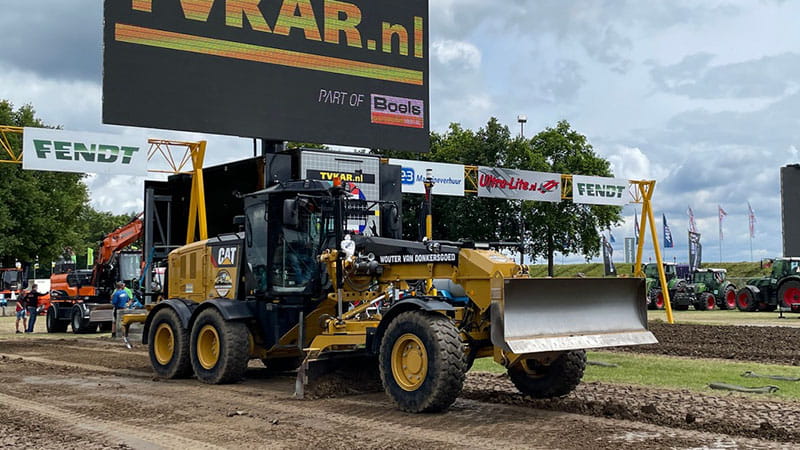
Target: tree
column 568, row 227
column 471, row 217
column 40, row 212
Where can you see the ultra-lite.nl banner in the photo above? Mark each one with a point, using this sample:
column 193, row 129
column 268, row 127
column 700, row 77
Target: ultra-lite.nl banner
column 70, row 151
column 519, row 184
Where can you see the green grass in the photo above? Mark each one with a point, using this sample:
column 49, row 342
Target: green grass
column 677, row 373
column 729, row 317
column 739, row 270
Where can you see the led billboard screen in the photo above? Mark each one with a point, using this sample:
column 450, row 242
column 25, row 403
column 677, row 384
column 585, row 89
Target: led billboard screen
column 338, row 72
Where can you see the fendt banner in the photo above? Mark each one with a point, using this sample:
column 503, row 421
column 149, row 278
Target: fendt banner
column 329, row 71
column 69, row 151
column 600, row 190
column 448, row 179
column 519, row 184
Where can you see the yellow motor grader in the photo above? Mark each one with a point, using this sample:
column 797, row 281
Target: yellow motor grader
column 295, row 288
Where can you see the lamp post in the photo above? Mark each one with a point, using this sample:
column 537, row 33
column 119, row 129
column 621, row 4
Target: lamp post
column 522, row 118
column 428, row 183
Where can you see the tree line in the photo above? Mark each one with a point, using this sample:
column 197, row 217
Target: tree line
column 44, row 213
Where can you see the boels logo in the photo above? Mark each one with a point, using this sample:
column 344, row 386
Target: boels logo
column 86, row 151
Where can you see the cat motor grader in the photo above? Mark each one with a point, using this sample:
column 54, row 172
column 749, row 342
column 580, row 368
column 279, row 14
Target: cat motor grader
column 295, row 289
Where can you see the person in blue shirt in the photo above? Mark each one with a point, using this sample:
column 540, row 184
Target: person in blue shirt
column 119, row 300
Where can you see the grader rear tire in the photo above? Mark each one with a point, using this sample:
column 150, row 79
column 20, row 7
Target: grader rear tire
column 557, row 379
column 219, row 348
column 422, row 362
column 168, row 346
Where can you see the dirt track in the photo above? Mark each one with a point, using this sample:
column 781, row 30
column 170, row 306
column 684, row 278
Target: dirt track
column 776, row 345
column 97, row 394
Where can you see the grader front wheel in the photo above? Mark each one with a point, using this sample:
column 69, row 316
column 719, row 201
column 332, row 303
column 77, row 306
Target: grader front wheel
column 168, row 345
column 219, row 348
column 557, row 379
column 422, row 362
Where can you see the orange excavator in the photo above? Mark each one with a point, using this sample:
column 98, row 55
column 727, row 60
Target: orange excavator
column 82, row 297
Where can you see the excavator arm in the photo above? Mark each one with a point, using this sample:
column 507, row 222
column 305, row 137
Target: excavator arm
column 115, row 241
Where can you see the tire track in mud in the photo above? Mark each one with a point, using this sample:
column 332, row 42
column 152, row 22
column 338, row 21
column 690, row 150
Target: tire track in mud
column 87, row 367
column 735, row 415
column 110, row 431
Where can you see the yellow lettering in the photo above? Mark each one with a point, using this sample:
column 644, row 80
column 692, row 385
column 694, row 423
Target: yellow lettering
column 237, row 10
column 305, row 20
column 197, row 9
column 389, row 32
column 418, row 37
column 142, row 5
column 335, row 24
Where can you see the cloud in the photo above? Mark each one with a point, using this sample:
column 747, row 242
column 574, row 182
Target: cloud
column 55, row 39
column 456, row 54
column 694, row 77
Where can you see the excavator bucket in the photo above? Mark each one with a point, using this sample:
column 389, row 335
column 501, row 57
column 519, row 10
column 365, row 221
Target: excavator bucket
column 558, row 314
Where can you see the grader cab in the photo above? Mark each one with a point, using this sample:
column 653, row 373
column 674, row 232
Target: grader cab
column 299, row 287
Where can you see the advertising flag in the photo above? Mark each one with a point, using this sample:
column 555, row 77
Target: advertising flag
column 692, row 225
column 636, row 225
column 722, row 215
column 695, row 251
column 611, row 237
column 667, row 233
column 608, row 262
column 751, row 215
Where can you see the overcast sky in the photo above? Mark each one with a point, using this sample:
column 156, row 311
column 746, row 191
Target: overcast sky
column 701, row 96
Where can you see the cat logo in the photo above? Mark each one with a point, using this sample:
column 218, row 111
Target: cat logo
column 224, row 256
column 223, row 283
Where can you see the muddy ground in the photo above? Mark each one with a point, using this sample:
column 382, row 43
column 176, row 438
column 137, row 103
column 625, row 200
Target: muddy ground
column 63, row 392
column 776, row 345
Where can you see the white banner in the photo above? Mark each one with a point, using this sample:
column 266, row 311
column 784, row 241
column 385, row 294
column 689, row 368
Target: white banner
column 70, row 151
column 600, row 190
column 519, row 184
column 448, row 179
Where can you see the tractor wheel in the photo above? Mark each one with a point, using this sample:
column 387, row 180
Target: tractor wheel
column 746, row 300
column 557, row 379
column 168, row 345
column 789, row 294
column 219, row 348
column 282, row 364
column 53, row 324
column 422, row 362
column 705, row 302
column 80, row 325
column 729, row 298
column 657, row 299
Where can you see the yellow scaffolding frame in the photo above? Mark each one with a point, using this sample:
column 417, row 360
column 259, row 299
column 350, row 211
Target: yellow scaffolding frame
column 641, row 191
column 192, row 151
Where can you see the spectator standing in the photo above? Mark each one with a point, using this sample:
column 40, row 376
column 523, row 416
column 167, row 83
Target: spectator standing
column 119, row 300
column 21, row 311
column 31, row 300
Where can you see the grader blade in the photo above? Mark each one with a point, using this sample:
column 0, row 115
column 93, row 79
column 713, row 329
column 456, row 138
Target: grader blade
column 558, row 314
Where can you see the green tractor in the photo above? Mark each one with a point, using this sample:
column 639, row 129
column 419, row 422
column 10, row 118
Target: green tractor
column 780, row 288
column 710, row 289
column 676, row 283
